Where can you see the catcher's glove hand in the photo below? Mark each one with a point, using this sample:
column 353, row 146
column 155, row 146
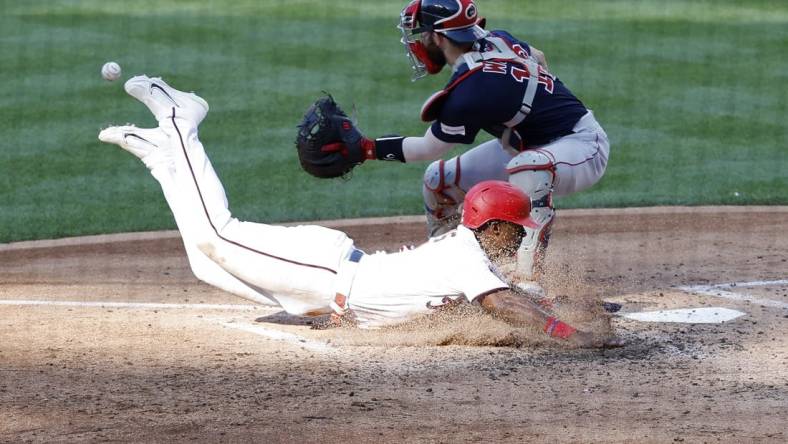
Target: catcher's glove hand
column 328, row 143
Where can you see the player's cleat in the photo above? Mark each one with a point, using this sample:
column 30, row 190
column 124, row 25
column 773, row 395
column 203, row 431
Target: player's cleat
column 611, row 307
column 537, row 294
column 141, row 142
column 532, row 288
column 163, row 100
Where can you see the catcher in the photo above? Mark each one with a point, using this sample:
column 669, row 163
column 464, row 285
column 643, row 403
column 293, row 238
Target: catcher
column 546, row 141
column 311, row 270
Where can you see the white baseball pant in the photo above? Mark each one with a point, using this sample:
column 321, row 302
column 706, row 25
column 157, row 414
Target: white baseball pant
column 301, row 268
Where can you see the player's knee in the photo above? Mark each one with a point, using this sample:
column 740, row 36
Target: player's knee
column 533, row 172
column 442, row 195
column 442, row 177
column 433, row 176
column 209, row 247
column 442, row 192
column 200, row 270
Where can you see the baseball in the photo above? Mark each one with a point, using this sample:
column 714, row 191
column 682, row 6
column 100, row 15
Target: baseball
column 110, row 71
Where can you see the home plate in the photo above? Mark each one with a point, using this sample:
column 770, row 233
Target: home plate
column 702, row 315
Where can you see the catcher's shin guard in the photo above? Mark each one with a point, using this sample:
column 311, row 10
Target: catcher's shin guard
column 533, row 172
column 443, row 196
column 531, row 254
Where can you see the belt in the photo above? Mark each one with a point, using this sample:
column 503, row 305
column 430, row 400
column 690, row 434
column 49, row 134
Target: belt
column 548, row 142
column 356, row 255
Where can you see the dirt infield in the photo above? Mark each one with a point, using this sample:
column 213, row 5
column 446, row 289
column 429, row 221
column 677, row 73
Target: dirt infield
column 110, row 338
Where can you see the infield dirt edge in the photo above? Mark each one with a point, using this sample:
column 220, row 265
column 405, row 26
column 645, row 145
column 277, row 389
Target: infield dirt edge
column 392, row 220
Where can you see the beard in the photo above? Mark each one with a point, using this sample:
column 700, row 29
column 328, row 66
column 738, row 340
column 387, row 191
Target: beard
column 435, row 54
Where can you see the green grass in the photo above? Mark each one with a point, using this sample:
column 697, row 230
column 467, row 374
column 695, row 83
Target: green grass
column 692, row 94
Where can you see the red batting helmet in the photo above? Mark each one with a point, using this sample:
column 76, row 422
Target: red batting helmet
column 496, row 200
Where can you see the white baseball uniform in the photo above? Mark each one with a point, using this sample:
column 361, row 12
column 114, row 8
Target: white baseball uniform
column 303, row 268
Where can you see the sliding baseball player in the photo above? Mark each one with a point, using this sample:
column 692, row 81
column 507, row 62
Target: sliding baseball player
column 312, row 270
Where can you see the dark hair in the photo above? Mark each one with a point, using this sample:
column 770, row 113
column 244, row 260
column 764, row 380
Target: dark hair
column 463, row 46
column 478, row 232
column 485, row 225
column 492, row 222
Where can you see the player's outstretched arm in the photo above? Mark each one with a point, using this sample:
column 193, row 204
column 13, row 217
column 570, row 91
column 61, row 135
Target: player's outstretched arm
column 520, row 311
column 424, row 148
column 406, row 149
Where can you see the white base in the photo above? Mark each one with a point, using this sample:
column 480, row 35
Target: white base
column 703, row 315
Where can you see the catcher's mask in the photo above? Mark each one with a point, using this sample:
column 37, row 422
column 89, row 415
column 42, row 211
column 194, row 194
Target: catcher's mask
column 456, row 19
column 496, row 200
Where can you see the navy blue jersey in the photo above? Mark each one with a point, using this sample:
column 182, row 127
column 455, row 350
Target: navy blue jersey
column 487, row 97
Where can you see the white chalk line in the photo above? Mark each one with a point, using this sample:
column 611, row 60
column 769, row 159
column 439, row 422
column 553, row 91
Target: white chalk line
column 720, row 291
column 255, row 329
column 135, row 305
column 753, row 284
column 278, row 335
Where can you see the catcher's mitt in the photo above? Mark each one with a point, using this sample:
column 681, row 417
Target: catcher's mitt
column 328, row 143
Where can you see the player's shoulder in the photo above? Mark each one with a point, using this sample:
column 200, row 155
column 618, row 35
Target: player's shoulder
column 489, row 74
column 452, row 249
column 470, row 254
column 465, row 92
column 464, row 243
column 508, row 37
column 488, row 84
column 460, row 237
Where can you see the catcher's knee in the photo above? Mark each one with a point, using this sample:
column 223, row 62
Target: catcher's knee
column 533, row 172
column 442, row 195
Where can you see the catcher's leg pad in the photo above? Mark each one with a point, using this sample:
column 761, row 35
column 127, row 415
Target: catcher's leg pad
column 531, row 254
column 443, row 196
column 533, row 172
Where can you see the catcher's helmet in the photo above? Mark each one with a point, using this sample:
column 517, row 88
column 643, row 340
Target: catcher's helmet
column 456, row 19
column 496, row 200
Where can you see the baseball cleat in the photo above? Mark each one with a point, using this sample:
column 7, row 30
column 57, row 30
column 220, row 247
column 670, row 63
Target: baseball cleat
column 138, row 141
column 611, row 307
column 532, row 288
column 537, row 294
column 164, row 101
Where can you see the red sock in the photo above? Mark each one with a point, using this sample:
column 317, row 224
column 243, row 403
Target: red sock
column 558, row 329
